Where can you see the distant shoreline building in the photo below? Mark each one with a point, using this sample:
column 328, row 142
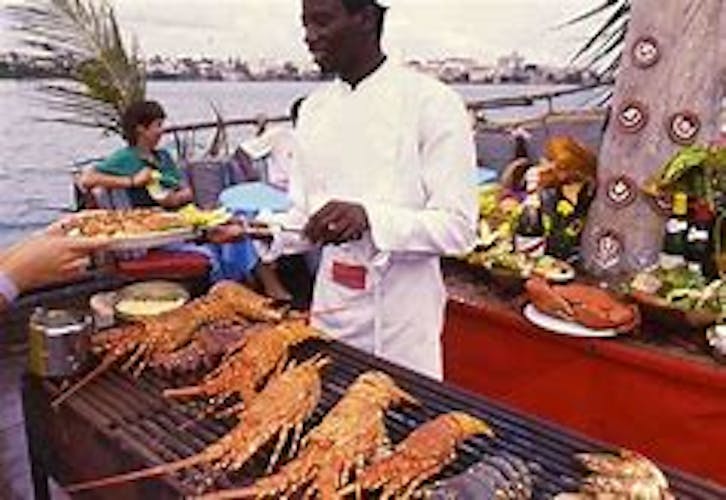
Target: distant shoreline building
column 512, row 68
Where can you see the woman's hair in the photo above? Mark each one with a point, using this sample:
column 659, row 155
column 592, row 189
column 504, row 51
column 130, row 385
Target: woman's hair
column 140, row 113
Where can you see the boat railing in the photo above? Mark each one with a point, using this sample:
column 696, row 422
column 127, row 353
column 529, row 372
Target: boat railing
column 522, row 100
column 477, row 108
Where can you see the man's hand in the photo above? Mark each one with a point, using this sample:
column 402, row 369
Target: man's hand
column 337, row 222
column 226, row 233
column 48, row 258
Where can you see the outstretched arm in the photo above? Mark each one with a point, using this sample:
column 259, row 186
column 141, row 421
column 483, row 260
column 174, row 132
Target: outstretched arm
column 42, row 260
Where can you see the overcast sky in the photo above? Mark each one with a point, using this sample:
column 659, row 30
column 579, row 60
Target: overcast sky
column 255, row 29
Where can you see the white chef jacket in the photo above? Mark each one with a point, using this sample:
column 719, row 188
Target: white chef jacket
column 400, row 143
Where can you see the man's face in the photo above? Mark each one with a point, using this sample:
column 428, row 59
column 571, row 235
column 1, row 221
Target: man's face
column 151, row 134
column 331, row 33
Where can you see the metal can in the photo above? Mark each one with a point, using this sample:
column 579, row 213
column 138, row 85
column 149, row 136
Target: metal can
column 59, row 342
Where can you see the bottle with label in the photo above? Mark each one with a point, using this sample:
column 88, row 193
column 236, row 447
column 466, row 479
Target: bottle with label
column 674, row 243
column 520, row 145
column 529, row 235
column 699, row 252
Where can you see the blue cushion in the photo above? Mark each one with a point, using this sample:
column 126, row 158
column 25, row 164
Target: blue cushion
column 250, row 198
column 485, row 175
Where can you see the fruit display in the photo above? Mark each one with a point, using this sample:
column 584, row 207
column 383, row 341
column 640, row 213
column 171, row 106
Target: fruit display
column 498, row 214
column 683, row 289
column 197, row 217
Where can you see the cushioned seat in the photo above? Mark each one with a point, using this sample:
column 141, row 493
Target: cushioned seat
column 165, row 264
column 251, row 198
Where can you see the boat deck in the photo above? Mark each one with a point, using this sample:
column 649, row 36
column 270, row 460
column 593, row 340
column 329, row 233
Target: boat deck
column 15, row 483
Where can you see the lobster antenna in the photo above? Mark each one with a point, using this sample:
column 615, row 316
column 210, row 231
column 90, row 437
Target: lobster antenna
column 184, row 392
column 246, row 492
column 139, row 474
column 102, row 367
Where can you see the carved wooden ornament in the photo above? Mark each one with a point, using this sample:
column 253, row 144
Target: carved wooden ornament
column 683, row 127
column 609, row 252
column 662, row 203
column 632, row 116
column 646, row 52
column 621, row 191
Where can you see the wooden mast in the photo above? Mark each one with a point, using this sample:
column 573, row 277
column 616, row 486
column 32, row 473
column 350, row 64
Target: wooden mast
column 672, row 76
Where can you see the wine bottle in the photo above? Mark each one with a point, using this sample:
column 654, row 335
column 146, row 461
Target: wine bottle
column 529, row 235
column 674, row 243
column 698, row 253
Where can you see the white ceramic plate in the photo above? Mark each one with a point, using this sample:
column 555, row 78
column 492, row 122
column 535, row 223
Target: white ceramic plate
column 559, row 272
column 563, row 327
column 151, row 240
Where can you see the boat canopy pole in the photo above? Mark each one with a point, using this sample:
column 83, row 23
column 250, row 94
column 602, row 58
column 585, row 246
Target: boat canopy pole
column 214, row 124
column 493, row 103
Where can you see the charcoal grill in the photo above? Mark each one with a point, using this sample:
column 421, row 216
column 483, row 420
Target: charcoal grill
column 118, row 424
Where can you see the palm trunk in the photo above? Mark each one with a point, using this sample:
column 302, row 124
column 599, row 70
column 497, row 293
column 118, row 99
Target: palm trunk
column 689, row 76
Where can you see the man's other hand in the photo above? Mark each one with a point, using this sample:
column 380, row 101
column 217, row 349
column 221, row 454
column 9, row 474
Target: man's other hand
column 337, row 222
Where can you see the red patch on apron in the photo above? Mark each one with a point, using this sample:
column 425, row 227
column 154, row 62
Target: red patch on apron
column 353, row 277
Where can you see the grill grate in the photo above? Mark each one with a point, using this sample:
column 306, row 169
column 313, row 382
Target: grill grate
column 143, row 421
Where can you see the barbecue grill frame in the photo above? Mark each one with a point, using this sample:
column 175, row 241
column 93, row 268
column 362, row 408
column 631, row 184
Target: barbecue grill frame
column 117, row 450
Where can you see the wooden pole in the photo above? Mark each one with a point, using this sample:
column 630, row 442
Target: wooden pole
column 625, row 229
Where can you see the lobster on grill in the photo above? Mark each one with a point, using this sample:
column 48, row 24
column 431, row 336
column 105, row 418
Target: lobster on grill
column 623, row 475
column 500, row 477
column 420, row 456
column 152, row 340
column 204, row 352
column 350, row 435
column 247, row 365
column 279, row 410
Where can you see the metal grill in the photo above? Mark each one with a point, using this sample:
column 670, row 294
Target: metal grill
column 139, row 419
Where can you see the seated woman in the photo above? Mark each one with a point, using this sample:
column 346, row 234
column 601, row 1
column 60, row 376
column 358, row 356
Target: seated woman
column 150, row 177
column 568, row 175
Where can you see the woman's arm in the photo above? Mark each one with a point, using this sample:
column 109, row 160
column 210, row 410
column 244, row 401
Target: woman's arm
column 92, row 178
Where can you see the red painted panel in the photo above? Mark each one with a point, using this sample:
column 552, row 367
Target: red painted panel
column 672, row 409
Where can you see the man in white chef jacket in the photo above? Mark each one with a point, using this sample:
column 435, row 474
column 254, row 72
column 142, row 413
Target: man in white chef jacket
column 385, row 183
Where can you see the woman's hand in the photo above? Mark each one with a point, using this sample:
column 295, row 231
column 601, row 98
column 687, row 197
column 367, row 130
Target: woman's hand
column 85, row 179
column 177, row 198
column 142, row 178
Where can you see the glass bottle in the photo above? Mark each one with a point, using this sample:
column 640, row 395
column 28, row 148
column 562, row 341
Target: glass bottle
column 674, row 243
column 699, row 251
column 529, row 235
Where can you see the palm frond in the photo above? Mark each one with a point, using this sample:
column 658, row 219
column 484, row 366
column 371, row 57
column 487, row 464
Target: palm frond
column 606, row 4
column 106, row 77
column 602, row 50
